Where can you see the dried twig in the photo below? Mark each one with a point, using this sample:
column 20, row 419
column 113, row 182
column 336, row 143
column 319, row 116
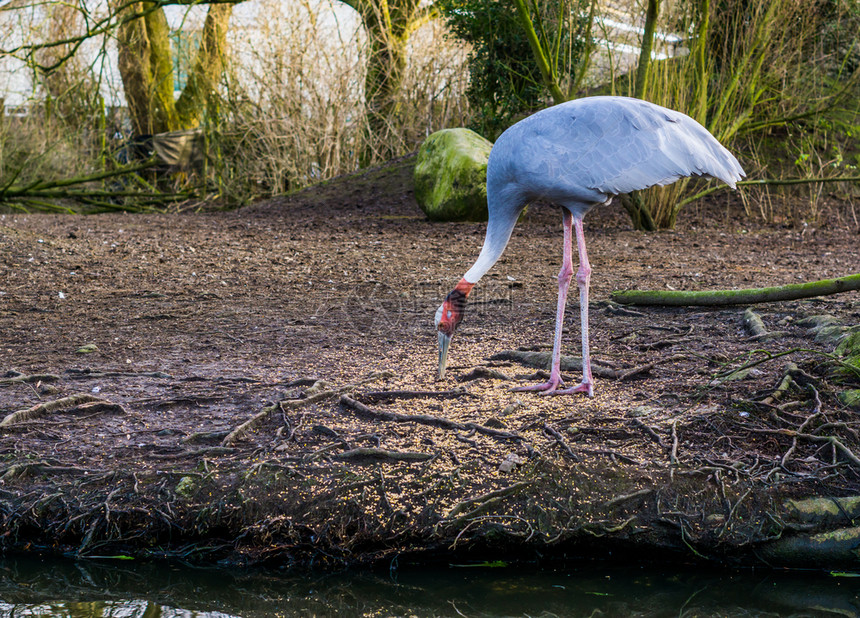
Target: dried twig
column 553, row 432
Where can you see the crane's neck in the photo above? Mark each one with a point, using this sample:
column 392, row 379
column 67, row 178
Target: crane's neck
column 499, row 228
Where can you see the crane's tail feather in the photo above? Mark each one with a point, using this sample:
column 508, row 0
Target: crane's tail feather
column 663, row 146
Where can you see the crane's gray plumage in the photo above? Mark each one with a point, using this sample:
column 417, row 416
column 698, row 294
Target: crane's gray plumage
column 578, row 155
column 588, row 150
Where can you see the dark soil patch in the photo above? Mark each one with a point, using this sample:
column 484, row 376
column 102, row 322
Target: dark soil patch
column 199, row 322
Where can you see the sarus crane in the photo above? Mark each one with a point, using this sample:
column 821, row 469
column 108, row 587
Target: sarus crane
column 579, row 155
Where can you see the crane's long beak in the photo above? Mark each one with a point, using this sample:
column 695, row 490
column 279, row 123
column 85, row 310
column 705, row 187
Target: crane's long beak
column 444, row 342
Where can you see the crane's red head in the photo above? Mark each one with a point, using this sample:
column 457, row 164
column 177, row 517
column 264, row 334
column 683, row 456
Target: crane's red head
column 448, row 317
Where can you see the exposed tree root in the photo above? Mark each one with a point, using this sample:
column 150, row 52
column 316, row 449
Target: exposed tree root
column 483, row 372
column 16, row 377
column 87, row 374
column 483, row 499
column 425, row 419
column 553, row 433
column 319, row 391
column 784, row 386
column 375, row 455
column 240, row 431
column 377, row 396
column 650, row 432
column 753, row 323
column 542, row 360
column 631, row 373
column 51, row 406
column 625, row 497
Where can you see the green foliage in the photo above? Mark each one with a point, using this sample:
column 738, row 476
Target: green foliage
column 505, row 79
column 769, row 71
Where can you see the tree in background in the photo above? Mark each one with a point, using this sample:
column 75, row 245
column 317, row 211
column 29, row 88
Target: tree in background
column 66, row 78
column 146, row 66
column 520, row 51
column 389, row 24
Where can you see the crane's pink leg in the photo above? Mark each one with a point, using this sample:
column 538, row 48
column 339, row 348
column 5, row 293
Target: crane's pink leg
column 564, row 277
column 583, row 280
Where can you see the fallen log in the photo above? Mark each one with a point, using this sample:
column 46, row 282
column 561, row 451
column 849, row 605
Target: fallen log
column 715, row 298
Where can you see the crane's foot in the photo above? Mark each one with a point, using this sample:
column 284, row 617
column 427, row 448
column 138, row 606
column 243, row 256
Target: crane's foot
column 583, row 387
column 545, row 388
column 553, row 387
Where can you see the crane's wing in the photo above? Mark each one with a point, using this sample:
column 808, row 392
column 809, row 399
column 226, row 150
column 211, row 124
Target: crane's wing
column 591, row 148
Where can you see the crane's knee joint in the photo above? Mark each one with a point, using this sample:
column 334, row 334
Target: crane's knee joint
column 583, row 275
column 565, row 274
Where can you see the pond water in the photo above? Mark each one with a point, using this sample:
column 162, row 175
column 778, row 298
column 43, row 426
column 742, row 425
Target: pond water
column 34, row 587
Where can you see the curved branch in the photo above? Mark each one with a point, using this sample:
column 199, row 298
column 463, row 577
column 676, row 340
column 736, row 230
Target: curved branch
column 766, row 181
column 709, row 298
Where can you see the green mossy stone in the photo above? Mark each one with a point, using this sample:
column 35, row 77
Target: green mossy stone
column 850, row 346
column 824, row 510
column 451, row 176
column 186, row 487
column 829, row 550
column 851, row 398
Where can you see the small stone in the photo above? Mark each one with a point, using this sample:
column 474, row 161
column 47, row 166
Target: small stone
column 643, row 411
column 510, row 462
column 512, row 407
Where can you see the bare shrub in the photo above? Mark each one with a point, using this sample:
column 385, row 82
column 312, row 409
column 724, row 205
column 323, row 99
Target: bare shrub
column 292, row 111
column 762, row 68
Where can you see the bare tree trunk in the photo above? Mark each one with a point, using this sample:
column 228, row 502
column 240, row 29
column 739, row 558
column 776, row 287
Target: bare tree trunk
column 146, row 67
column 208, row 66
column 645, row 52
column 388, row 24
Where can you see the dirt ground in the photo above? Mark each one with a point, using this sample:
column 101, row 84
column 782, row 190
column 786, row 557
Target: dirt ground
column 153, row 337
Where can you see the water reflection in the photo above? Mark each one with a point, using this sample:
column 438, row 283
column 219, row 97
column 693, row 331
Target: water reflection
column 31, row 587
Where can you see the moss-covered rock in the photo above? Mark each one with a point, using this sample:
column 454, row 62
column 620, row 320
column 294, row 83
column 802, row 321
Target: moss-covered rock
column 848, row 370
column 832, row 549
column 830, row 510
column 186, row 487
column 850, row 346
column 851, row 398
column 451, row 176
